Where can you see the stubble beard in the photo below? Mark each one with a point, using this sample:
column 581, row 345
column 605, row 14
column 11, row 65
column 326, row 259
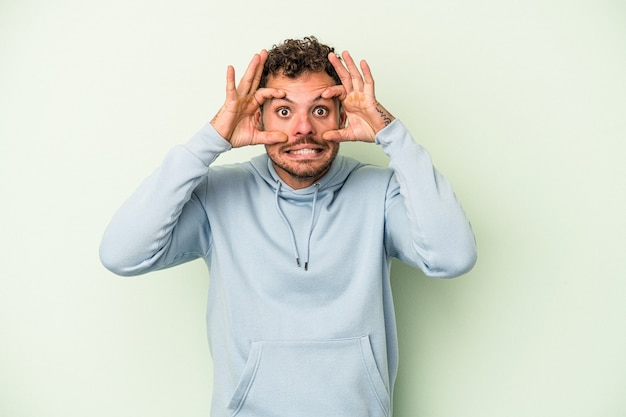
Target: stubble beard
column 306, row 170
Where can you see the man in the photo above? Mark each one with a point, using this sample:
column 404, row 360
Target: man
column 299, row 240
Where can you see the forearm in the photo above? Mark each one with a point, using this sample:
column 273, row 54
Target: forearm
column 141, row 234
column 441, row 239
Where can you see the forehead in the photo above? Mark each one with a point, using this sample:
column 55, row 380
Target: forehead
column 304, row 88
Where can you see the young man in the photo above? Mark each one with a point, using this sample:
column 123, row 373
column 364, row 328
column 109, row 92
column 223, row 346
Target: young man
column 298, row 241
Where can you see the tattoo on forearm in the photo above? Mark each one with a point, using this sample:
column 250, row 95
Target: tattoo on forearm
column 383, row 114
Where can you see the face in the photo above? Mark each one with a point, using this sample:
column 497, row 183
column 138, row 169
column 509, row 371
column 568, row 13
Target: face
column 303, row 115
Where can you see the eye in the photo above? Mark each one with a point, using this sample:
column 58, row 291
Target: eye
column 283, row 111
column 320, row 111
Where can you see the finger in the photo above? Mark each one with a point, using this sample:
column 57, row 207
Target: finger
column 342, row 72
column 332, row 135
column 355, row 75
column 245, row 84
column 269, row 138
column 231, row 92
column 263, row 94
column 336, row 91
column 368, row 78
column 259, row 70
column 338, row 135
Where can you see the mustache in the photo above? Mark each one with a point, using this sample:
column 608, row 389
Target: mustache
column 306, row 140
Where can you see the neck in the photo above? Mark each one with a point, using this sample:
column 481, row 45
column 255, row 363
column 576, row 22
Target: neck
column 297, row 182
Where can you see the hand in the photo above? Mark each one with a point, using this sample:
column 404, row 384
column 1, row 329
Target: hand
column 235, row 121
column 365, row 116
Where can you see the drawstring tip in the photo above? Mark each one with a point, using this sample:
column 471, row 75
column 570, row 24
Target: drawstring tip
column 306, row 266
column 298, row 262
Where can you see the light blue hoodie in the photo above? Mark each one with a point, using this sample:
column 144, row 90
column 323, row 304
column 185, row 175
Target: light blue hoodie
column 300, row 316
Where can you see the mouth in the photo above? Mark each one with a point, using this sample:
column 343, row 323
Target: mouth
column 306, row 149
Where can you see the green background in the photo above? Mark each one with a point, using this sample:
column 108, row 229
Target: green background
column 522, row 105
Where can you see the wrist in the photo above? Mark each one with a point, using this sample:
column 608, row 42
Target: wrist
column 382, row 118
column 220, row 126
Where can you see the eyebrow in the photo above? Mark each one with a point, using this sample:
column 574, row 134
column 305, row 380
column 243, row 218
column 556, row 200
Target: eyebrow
column 288, row 100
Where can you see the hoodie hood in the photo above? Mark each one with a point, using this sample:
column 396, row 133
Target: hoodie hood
column 340, row 170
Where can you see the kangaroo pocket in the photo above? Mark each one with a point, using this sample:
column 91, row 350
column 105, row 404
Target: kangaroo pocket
column 330, row 378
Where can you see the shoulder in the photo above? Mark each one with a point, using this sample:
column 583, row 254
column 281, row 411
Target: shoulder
column 363, row 169
column 364, row 175
column 240, row 177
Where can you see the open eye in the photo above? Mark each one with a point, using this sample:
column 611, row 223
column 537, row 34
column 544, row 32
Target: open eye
column 283, row 111
column 320, row 111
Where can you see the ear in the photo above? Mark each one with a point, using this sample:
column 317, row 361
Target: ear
column 258, row 120
column 343, row 117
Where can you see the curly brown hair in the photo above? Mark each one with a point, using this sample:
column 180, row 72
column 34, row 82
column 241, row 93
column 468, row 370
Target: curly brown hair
column 295, row 57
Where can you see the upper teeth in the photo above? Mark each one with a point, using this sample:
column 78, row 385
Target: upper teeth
column 303, row 151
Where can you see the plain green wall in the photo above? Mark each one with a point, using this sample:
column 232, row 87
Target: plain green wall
column 521, row 103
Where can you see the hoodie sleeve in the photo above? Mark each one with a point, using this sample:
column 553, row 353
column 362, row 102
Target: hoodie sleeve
column 164, row 223
column 439, row 239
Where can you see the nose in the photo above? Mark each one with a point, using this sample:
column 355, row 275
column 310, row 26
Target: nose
column 303, row 126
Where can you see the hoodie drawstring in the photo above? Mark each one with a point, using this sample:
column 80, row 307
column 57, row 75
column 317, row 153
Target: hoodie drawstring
column 290, row 228
column 308, row 241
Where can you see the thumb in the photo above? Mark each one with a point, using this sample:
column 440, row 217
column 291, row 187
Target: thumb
column 337, row 135
column 269, row 138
